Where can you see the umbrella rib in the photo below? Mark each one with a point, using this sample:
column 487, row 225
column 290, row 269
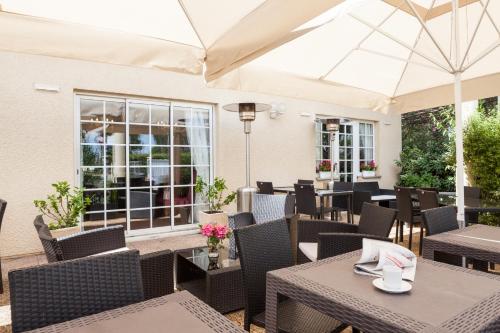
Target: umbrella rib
column 483, row 54
column 358, row 45
column 192, row 25
column 404, row 44
column 491, row 18
column 411, row 52
column 473, row 36
column 424, row 25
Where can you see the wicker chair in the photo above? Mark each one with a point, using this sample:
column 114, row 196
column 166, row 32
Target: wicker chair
column 157, row 267
column 472, row 193
column 322, row 239
column 363, row 192
column 58, row 292
column 263, row 248
column 265, row 187
column 305, row 199
column 409, row 214
column 3, row 206
column 427, row 199
column 305, row 181
column 339, row 203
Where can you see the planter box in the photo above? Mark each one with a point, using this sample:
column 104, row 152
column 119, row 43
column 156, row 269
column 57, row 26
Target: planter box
column 214, row 218
column 325, row 175
column 58, row 233
column 368, row 174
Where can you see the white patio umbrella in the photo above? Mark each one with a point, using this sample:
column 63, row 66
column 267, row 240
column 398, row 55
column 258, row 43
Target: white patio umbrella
column 394, row 54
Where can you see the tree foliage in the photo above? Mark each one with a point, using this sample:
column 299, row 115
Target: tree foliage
column 214, row 193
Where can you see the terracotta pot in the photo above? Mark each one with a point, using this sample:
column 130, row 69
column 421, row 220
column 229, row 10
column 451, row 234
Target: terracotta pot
column 58, row 233
column 214, row 218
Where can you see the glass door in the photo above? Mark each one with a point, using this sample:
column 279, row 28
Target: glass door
column 345, row 151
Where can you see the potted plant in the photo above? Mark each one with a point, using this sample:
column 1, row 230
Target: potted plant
column 63, row 208
column 216, row 234
column 325, row 169
column 213, row 193
column 368, row 169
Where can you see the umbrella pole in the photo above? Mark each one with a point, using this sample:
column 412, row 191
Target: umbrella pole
column 459, row 146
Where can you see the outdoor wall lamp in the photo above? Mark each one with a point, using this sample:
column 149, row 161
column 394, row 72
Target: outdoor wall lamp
column 247, row 113
column 332, row 126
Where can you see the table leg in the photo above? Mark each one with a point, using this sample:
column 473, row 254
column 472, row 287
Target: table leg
column 322, row 207
column 271, row 307
column 349, row 209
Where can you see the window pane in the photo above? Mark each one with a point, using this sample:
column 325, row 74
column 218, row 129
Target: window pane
column 361, row 154
column 160, row 135
column 115, row 134
column 182, row 116
column 139, row 113
column 139, row 135
column 116, row 177
column 91, row 110
column 182, row 156
column 140, row 198
column 342, row 140
column 368, row 154
column 349, row 129
column 182, row 215
column 115, row 112
column 182, row 195
column 161, row 217
column 92, row 133
column 369, row 129
column 160, row 175
column 348, row 141
column 361, row 129
column 139, row 177
column 161, row 196
column 349, row 166
column 369, row 141
column 115, row 156
column 326, row 153
column 96, row 199
column 93, row 221
column 348, row 153
column 116, row 199
column 342, row 153
column 139, row 155
column 362, row 141
column 160, row 115
column 201, row 156
column 342, row 167
column 326, row 139
column 92, row 178
column 92, row 155
column 181, row 136
column 203, row 172
column 140, row 219
column 160, row 156
column 200, row 118
column 182, row 176
column 200, row 137
column 117, row 218
column 197, row 210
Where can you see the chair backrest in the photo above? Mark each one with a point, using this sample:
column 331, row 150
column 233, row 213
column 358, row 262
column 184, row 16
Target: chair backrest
column 404, row 203
column 376, row 220
column 305, row 181
column 58, row 292
column 266, row 207
column 371, row 187
column 427, row 199
column 433, row 189
column 3, row 206
column 438, row 220
column 290, row 204
column 49, row 243
column 341, row 201
column 472, row 192
column 305, row 199
column 262, row 248
column 265, row 187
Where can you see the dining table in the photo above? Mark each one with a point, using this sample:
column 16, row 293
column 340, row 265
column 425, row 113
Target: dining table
column 477, row 241
column 178, row 312
column 322, row 194
column 443, row 298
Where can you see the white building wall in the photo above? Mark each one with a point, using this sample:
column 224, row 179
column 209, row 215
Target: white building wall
column 37, row 132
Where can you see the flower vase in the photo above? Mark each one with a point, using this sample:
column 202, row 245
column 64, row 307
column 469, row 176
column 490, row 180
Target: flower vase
column 213, row 257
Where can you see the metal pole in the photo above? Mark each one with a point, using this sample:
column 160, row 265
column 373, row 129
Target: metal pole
column 247, row 135
column 332, row 164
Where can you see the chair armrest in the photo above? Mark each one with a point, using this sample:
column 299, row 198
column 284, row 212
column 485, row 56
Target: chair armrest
column 308, row 230
column 334, row 244
column 385, row 191
column 358, row 198
column 92, row 242
column 157, row 270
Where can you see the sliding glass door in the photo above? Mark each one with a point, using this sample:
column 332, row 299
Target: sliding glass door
column 139, row 161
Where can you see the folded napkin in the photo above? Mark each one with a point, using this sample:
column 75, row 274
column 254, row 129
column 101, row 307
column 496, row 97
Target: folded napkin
column 377, row 254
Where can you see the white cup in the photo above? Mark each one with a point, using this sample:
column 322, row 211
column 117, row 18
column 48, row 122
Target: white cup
column 393, row 276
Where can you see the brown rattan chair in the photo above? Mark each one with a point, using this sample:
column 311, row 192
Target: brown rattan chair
column 363, row 192
column 305, row 201
column 157, row 267
column 474, row 193
column 409, row 214
column 62, row 291
column 3, row 206
column 263, row 248
column 305, row 181
column 322, row 239
column 265, row 187
column 427, row 199
column 339, row 203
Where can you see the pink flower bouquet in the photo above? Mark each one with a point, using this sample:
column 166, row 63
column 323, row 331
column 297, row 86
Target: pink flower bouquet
column 215, row 234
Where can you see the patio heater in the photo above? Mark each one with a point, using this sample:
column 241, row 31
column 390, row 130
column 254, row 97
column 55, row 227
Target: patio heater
column 332, row 127
column 247, row 112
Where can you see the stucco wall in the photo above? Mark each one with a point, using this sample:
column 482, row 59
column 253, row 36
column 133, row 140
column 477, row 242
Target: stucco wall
column 37, row 131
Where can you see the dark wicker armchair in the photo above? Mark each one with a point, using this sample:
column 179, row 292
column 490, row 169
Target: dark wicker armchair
column 263, row 248
column 157, row 267
column 322, row 239
column 3, row 206
column 363, row 192
column 50, row 294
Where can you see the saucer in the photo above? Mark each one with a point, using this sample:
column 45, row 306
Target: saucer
column 405, row 286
